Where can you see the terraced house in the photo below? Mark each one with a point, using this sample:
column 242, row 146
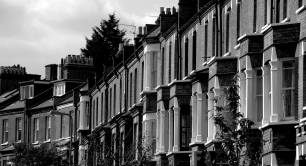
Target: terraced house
column 182, row 65
column 157, row 104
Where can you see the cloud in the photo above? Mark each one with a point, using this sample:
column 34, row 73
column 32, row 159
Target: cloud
column 35, row 33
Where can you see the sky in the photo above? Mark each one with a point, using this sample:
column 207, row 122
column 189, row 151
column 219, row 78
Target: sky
column 34, row 33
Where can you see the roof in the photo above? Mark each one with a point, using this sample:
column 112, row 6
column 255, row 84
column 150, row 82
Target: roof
column 16, row 105
column 154, row 33
column 68, row 100
column 7, row 95
column 47, row 103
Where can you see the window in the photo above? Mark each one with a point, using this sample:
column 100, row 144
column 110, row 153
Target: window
column 154, row 69
column 142, row 75
column 186, row 56
column 259, row 90
column 194, row 50
column 62, row 126
column 265, row 12
column 110, row 102
column 238, row 20
column 131, row 89
column 97, row 111
column 122, row 146
column 27, row 92
column 214, row 37
column 169, row 73
column 271, row 11
column 135, row 86
column 18, row 129
column 227, row 43
column 288, row 88
column 93, row 112
column 87, row 113
column 254, row 15
column 135, row 126
column 206, row 40
column 300, row 3
column 5, row 131
column 48, row 128
column 185, row 128
column 285, row 9
column 59, row 89
column 277, row 10
column 36, row 130
column 115, row 91
column 163, row 66
column 102, row 108
column 5, row 163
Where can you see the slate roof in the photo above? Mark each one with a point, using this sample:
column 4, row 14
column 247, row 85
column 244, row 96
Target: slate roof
column 8, row 95
column 45, row 104
column 16, row 105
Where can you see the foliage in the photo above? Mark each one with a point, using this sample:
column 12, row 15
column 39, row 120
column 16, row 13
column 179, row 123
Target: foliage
column 104, row 43
column 235, row 132
column 43, row 155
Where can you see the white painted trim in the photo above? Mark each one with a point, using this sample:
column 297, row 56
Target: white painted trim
column 64, row 106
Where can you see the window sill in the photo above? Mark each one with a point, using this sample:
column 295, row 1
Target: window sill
column 237, row 46
column 19, row 141
column 299, row 10
column 227, row 54
column 47, row 141
column 4, row 144
column 287, row 19
column 35, row 143
column 265, row 28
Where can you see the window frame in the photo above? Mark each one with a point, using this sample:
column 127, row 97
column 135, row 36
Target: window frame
column 289, row 88
column 5, row 131
column 18, row 129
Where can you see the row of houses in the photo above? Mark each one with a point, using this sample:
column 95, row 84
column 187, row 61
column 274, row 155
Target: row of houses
column 157, row 104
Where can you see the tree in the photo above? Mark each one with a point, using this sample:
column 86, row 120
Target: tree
column 240, row 141
column 104, row 44
column 43, row 155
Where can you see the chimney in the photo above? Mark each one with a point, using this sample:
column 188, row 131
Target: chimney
column 145, row 31
column 140, row 30
column 187, row 8
column 168, row 11
column 173, row 10
column 51, row 72
column 162, row 10
column 201, row 3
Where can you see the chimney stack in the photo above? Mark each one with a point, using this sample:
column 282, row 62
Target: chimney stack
column 162, row 10
column 173, row 10
column 51, row 72
column 168, row 11
column 140, row 30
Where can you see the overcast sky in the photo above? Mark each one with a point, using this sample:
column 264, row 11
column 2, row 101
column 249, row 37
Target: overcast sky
column 34, row 33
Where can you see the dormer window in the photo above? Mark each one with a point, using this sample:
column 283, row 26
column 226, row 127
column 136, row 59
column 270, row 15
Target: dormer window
column 59, row 89
column 27, row 92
